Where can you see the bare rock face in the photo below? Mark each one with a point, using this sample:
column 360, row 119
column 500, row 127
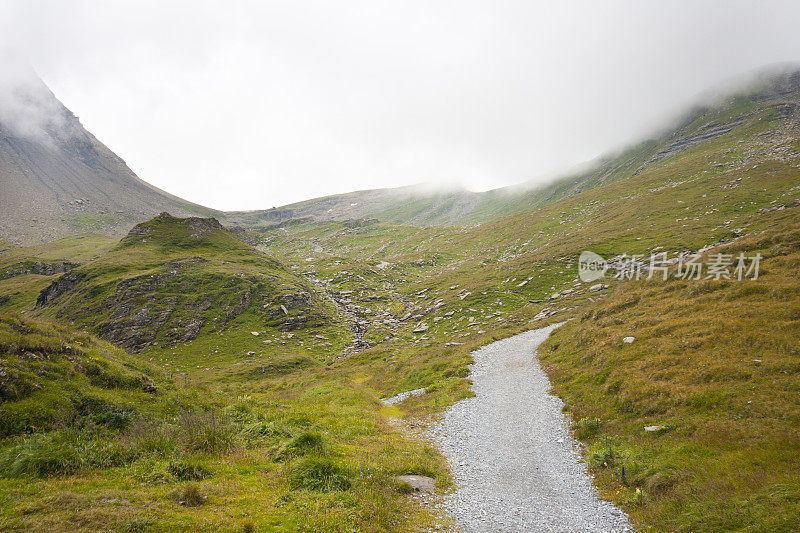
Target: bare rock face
column 138, row 330
column 65, row 283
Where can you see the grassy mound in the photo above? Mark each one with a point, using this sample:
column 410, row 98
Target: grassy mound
column 172, row 280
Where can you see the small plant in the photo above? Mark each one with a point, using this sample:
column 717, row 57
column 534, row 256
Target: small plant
column 403, row 487
column 636, row 497
column 248, row 526
column 115, row 419
column 202, row 431
column 61, row 453
column 190, row 496
column 152, row 439
column 587, row 427
column 320, row 474
column 603, row 455
column 255, row 433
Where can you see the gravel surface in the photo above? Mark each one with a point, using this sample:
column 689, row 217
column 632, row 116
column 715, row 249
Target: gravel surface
column 510, row 449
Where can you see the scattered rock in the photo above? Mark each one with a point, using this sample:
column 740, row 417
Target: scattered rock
column 629, row 340
column 421, row 328
column 654, row 429
column 397, row 398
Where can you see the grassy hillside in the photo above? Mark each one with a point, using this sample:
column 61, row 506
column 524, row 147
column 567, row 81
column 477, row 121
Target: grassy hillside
column 173, row 280
column 717, row 365
column 53, row 377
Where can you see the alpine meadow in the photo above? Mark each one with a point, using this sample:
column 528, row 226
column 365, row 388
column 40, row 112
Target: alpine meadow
column 328, row 365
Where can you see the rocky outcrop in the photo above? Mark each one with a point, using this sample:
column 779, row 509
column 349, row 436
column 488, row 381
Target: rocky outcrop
column 136, row 328
column 41, row 268
column 65, row 283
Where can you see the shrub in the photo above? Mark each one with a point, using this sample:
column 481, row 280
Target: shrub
column 587, row 427
column 190, row 496
column 319, row 474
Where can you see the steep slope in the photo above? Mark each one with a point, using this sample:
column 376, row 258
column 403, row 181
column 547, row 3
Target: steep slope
column 57, row 179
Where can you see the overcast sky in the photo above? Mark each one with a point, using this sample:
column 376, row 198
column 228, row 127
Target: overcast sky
column 246, row 105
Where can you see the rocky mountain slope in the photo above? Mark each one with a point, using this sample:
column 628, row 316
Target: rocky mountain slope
column 57, row 179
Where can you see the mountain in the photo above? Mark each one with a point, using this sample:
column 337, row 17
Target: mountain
column 270, row 357
column 57, row 179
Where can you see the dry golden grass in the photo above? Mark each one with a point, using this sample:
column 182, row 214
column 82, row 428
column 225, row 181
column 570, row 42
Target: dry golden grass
column 718, row 364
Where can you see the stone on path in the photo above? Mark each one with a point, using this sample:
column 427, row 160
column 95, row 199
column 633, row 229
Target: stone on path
column 419, row 483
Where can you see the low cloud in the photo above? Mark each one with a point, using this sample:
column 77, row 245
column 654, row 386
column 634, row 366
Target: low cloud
column 29, row 110
column 248, row 104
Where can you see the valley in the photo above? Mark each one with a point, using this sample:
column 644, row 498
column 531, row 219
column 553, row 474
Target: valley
column 226, row 373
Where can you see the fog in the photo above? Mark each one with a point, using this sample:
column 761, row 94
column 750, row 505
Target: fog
column 247, row 105
column 29, row 109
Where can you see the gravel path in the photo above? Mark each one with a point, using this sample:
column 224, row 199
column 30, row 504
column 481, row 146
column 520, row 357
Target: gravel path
column 514, row 460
